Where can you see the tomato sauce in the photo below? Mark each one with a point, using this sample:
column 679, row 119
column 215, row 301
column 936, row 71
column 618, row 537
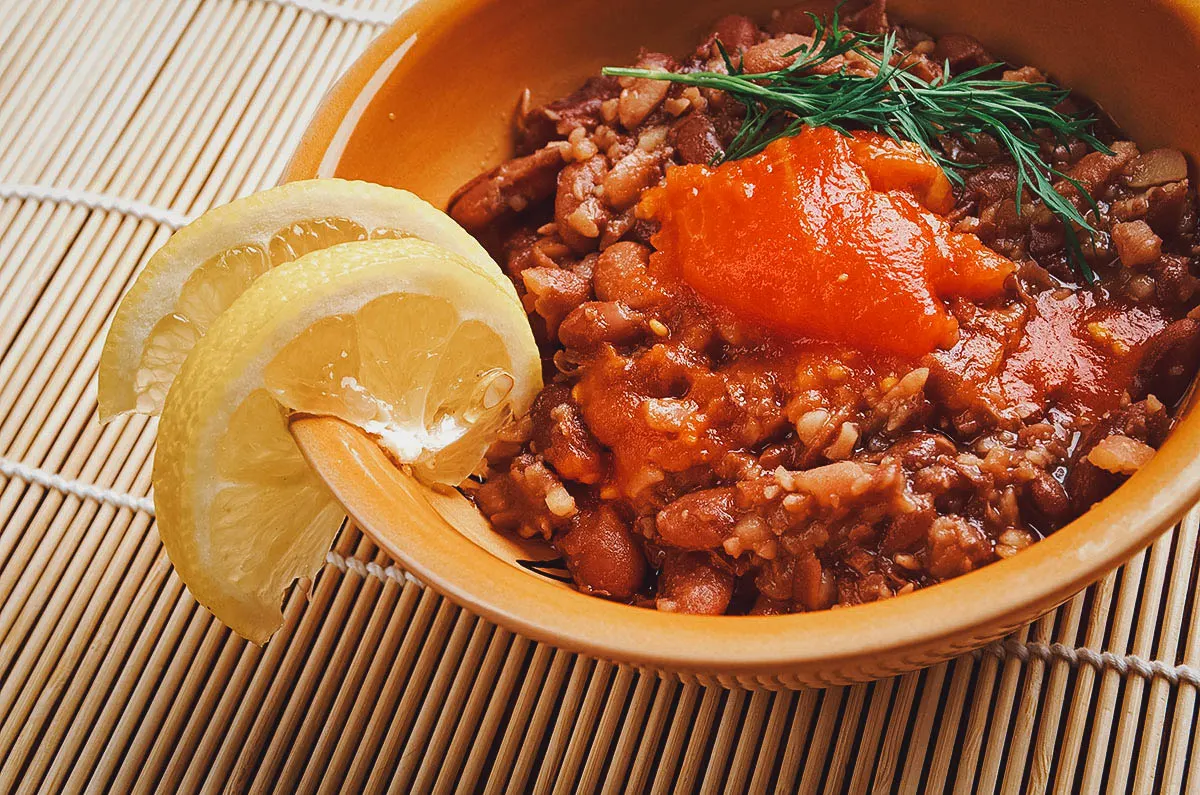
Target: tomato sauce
column 826, row 237
column 1076, row 350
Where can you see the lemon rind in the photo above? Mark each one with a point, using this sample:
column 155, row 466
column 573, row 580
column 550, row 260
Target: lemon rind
column 255, row 219
column 244, row 339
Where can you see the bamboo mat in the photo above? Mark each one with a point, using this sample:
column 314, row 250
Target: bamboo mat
column 119, row 119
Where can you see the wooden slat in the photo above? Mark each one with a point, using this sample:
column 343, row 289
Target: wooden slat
column 112, row 678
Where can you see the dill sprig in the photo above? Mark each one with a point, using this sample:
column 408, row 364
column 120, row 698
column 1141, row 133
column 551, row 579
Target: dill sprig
column 898, row 103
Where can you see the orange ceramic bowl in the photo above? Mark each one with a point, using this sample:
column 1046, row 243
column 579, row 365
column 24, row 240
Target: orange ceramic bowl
column 428, row 106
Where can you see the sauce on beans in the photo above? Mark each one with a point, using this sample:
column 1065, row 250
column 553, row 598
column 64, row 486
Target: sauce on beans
column 818, row 376
column 828, row 237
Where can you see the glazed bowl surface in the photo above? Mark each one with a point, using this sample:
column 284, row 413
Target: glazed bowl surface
column 429, row 106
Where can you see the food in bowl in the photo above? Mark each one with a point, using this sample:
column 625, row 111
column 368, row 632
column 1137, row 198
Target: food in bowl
column 793, row 366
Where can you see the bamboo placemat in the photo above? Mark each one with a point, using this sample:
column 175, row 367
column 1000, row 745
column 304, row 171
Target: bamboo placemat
column 123, row 117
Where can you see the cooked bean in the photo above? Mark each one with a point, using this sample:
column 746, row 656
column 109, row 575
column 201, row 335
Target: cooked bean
column 602, row 555
column 956, row 546
column 1136, row 243
column 535, row 127
column 693, row 582
column 798, row 17
column 1097, row 169
column 517, row 500
column 1120, row 454
column 1026, row 74
column 774, row 54
column 699, row 520
column 508, row 188
column 921, row 449
column 1157, row 167
column 1049, row 496
column 1168, row 208
column 695, row 139
column 622, row 274
column 597, row 322
column 765, row 606
column 555, row 292
column 578, row 213
column 735, row 32
column 560, row 434
column 865, row 15
column 812, row 586
column 642, row 95
column 629, row 176
column 1168, row 361
column 1174, row 283
column 962, row 52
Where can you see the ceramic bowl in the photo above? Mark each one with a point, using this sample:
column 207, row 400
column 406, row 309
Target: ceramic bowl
column 429, row 105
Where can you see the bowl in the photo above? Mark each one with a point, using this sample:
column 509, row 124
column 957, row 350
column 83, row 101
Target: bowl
column 428, row 106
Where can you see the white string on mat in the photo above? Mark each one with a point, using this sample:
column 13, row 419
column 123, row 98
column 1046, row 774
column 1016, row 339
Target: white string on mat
column 361, row 16
column 85, row 491
column 1147, row 669
column 120, row 499
column 369, row 568
column 1048, row 652
column 93, row 201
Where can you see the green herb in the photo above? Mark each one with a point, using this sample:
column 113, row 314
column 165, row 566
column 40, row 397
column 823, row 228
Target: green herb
column 899, row 104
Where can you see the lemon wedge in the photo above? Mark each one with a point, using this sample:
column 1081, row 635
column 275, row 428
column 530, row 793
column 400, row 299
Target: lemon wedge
column 414, row 343
column 208, row 263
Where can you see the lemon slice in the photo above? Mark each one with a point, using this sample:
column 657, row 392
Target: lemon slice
column 401, row 337
column 209, row 262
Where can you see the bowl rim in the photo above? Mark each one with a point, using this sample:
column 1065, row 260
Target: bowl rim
column 1026, row 585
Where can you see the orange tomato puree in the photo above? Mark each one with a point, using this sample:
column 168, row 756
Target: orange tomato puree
column 826, row 237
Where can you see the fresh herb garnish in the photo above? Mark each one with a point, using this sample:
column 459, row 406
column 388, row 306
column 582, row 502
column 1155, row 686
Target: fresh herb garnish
column 896, row 102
